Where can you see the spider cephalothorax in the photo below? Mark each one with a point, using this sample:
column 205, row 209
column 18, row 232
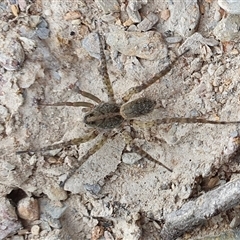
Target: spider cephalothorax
column 111, row 115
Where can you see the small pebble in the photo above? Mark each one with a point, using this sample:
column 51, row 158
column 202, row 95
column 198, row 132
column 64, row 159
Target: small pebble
column 35, row 230
column 55, row 192
column 108, row 235
column 128, row 23
column 134, row 15
column 184, row 17
column 16, row 237
column 109, row 6
column 22, row 5
column 76, row 22
column 9, row 223
column 43, row 33
column 72, row 15
column 93, row 188
column 196, row 75
column 5, row 27
column 148, row 22
column 216, row 81
column 165, row 14
column 91, row 45
column 4, row 114
column 108, row 18
column 234, row 52
column 43, row 23
column 134, row 5
column 51, row 208
column 14, row 9
column 34, row 20
column 211, row 69
column 28, row 209
column 1, row 128
column 173, row 40
column 48, row 12
column 217, row 16
column 23, row 232
column 220, row 70
column 7, row 165
column 97, row 232
column 130, row 158
column 235, row 222
column 228, row 29
column 12, row 54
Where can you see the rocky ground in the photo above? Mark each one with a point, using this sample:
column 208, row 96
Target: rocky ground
column 49, row 46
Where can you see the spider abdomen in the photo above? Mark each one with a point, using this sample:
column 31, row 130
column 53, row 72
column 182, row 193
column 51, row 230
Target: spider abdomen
column 104, row 115
column 137, row 108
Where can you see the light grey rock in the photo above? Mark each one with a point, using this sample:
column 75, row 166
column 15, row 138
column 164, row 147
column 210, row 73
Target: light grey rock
column 228, row 29
column 55, row 192
column 195, row 42
column 54, row 210
column 230, row 6
column 109, row 6
column 92, row 188
column 147, row 45
column 130, row 158
column 91, row 45
column 4, row 113
column 43, row 33
column 172, row 40
column 235, row 222
column 12, row 54
column 132, row 10
column 9, row 222
column 133, row 15
column 184, row 17
column 148, row 22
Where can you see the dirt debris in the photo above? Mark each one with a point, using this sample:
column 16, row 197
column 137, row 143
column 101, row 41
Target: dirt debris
column 107, row 198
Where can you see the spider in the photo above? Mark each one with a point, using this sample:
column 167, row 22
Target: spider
column 103, row 117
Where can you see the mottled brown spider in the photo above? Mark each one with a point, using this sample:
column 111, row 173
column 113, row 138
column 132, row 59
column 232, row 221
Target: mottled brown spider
column 103, row 117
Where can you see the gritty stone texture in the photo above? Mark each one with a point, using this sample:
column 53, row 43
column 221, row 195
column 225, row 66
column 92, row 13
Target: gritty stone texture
column 184, row 17
column 12, row 54
column 9, row 222
column 52, row 208
column 109, row 6
column 130, row 200
column 147, row 45
column 55, row 192
column 228, row 29
column 230, row 6
column 148, row 22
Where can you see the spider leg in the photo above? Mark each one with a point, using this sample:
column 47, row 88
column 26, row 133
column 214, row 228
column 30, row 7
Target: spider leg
column 180, row 120
column 72, row 104
column 137, row 89
column 84, row 93
column 129, row 141
column 75, row 141
column 104, row 73
column 89, row 153
column 144, row 154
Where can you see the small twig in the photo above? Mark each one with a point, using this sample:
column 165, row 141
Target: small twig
column 197, row 212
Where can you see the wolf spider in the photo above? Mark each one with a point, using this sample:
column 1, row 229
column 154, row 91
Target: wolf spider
column 103, row 117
